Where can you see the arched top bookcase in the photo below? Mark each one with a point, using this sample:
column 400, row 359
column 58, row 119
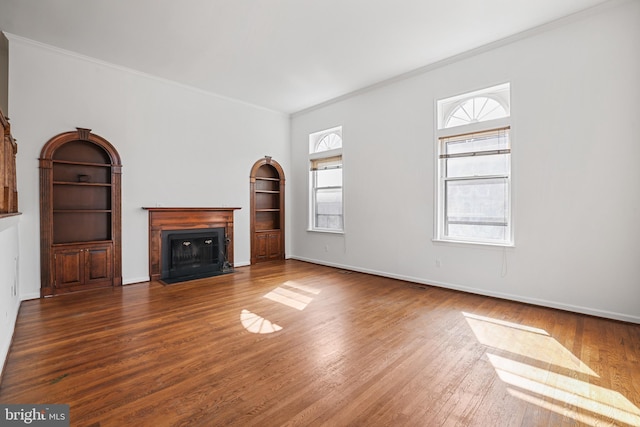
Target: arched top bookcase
column 267, row 210
column 80, row 213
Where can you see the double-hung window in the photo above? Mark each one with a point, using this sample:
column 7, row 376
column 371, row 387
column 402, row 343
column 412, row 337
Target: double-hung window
column 325, row 178
column 474, row 168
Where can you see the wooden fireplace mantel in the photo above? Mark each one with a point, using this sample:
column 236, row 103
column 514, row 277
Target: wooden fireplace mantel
column 175, row 218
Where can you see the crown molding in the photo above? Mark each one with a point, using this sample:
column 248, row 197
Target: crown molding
column 557, row 23
column 68, row 53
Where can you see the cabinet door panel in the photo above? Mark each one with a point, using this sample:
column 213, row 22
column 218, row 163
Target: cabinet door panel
column 274, row 246
column 261, row 245
column 98, row 264
column 69, row 265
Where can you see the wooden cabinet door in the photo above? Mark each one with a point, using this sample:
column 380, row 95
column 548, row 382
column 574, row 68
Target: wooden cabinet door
column 273, row 245
column 69, row 267
column 98, row 266
column 79, row 267
column 261, row 246
column 267, row 246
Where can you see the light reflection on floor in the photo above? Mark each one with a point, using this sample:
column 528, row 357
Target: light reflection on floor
column 547, row 374
column 293, row 295
column 289, row 293
column 257, row 324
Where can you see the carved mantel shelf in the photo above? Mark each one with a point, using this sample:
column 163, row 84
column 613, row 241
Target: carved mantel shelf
column 188, row 218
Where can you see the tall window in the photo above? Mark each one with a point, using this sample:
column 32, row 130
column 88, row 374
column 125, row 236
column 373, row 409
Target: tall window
column 325, row 178
column 474, row 167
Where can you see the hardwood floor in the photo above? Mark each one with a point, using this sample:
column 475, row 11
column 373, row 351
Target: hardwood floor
column 292, row 343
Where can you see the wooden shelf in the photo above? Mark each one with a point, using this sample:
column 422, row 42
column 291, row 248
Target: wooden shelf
column 70, row 162
column 88, row 184
column 81, row 211
column 101, row 242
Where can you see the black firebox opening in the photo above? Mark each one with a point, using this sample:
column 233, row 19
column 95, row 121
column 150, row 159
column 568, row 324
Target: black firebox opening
column 192, row 254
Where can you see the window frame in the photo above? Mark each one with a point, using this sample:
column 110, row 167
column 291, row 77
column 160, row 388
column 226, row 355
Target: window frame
column 441, row 134
column 317, row 157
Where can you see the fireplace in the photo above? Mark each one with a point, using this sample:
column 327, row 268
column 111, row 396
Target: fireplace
column 193, row 254
column 184, row 230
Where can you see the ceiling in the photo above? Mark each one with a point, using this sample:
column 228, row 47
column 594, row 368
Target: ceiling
column 284, row 55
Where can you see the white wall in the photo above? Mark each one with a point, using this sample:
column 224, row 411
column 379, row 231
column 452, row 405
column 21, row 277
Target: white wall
column 575, row 121
column 4, row 73
column 179, row 146
column 9, row 292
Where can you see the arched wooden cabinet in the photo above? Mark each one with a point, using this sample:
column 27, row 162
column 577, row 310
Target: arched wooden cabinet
column 80, row 213
column 267, row 211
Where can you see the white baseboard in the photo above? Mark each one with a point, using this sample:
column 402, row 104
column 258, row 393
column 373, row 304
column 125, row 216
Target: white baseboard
column 241, row 264
column 518, row 298
column 132, row 280
column 31, row 295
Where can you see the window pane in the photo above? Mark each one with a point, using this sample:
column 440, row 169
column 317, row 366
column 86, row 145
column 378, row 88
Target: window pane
column 477, row 208
column 496, row 164
column 483, row 232
column 328, row 209
column 487, row 142
column 329, row 142
column 478, row 109
column 329, row 178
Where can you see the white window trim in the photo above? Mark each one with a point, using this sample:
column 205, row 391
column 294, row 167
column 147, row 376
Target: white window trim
column 438, row 232
column 321, row 155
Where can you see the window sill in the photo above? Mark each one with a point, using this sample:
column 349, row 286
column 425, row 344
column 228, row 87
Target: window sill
column 465, row 243
column 319, row 230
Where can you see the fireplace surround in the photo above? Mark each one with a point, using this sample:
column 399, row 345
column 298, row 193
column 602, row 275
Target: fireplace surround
column 192, row 254
column 189, row 223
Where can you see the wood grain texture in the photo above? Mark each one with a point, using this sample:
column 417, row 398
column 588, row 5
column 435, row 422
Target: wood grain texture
column 337, row 348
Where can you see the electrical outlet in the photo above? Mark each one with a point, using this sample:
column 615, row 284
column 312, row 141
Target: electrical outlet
column 326, row 248
column 438, row 262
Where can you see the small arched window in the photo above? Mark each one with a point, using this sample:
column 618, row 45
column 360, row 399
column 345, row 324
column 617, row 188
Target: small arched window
column 329, row 141
column 474, row 110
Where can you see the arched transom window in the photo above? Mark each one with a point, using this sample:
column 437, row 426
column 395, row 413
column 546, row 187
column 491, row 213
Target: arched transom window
column 330, row 141
column 474, row 110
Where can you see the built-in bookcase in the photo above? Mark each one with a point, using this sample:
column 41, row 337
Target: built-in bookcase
column 79, row 213
column 267, row 211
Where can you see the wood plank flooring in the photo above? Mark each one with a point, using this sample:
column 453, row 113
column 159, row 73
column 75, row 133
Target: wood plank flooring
column 296, row 344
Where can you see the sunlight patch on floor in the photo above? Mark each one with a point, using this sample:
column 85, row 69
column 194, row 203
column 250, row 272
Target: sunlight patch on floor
column 548, row 375
column 558, row 409
column 257, row 324
column 291, row 294
column 569, row 390
column 525, row 341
